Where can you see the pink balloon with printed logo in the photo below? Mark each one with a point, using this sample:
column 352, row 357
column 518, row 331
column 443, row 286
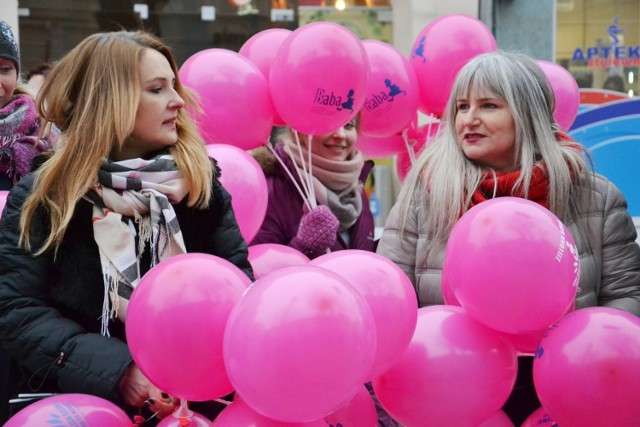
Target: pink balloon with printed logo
column 70, row 410
column 299, row 344
column 175, row 324
column 244, row 179
column 260, row 49
column 360, row 411
column 392, row 93
column 233, row 95
column 539, row 417
column 566, row 91
column 319, row 77
column 441, row 49
column 389, row 294
column 455, row 372
column 239, row 414
column 268, row 257
column 513, row 265
column 586, row 370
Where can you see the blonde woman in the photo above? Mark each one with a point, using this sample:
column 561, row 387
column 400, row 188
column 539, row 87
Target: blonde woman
column 129, row 185
column 500, row 138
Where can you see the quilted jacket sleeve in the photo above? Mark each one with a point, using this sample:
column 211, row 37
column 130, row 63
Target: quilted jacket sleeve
column 620, row 286
column 45, row 342
column 400, row 247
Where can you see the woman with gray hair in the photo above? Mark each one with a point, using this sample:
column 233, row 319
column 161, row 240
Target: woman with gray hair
column 499, row 138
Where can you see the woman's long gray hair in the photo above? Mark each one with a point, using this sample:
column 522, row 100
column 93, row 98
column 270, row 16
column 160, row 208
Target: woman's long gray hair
column 445, row 179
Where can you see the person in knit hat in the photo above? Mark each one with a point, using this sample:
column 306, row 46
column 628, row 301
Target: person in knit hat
column 19, row 121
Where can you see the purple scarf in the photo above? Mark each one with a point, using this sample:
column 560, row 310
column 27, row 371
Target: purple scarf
column 19, row 141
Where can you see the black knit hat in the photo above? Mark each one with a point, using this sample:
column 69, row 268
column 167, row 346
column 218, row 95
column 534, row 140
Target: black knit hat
column 8, row 46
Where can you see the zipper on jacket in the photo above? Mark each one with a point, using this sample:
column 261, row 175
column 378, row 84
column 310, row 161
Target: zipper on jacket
column 59, row 362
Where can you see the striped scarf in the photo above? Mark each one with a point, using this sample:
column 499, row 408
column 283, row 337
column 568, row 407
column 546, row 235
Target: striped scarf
column 129, row 191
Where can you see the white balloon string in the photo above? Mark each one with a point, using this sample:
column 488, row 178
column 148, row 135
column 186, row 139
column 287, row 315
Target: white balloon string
column 304, row 196
column 224, row 402
column 306, row 180
column 409, row 147
column 312, row 192
column 183, row 410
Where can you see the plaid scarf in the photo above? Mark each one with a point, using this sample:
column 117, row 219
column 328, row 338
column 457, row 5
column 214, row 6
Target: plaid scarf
column 129, row 191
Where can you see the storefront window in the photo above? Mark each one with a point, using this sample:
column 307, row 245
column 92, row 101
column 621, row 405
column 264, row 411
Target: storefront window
column 598, row 41
column 50, row 28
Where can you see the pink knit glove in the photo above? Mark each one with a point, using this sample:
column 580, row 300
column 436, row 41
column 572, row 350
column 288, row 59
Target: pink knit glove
column 317, row 231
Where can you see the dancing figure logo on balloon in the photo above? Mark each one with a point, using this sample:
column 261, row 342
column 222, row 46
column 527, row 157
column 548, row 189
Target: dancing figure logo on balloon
column 348, row 104
column 419, row 52
column 393, row 90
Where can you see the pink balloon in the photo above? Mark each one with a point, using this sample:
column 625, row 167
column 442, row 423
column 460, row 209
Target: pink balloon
column 193, row 420
column 566, row 91
column 392, row 94
column 513, row 265
column 175, row 324
column 71, row 410
column 499, row 419
column 300, row 344
column 239, row 414
column 360, row 411
column 587, row 368
column 441, row 49
column 447, row 293
column 389, row 294
column 244, row 179
column 3, row 199
column 234, row 96
column 527, row 343
column 455, row 372
column 319, row 77
column 377, row 147
column 539, row 417
column 268, row 257
column 260, row 49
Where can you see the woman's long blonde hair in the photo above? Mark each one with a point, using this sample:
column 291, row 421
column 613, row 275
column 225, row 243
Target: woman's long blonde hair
column 92, row 96
column 446, row 178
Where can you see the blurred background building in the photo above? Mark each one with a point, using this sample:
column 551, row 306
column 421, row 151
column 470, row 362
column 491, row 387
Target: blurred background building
column 598, row 41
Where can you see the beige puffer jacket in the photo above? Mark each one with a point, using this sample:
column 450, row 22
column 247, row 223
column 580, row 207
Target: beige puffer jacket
column 609, row 261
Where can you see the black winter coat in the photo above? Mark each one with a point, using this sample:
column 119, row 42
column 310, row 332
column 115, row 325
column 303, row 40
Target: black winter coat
column 50, row 307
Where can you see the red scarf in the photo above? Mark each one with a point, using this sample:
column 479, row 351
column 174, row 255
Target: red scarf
column 538, row 189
